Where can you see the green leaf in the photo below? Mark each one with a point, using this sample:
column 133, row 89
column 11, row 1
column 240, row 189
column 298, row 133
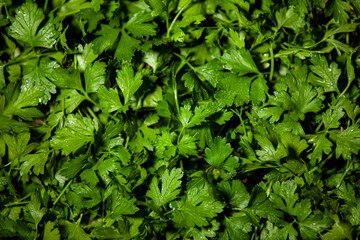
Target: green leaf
column 306, row 100
column 293, row 144
column 128, row 81
column 284, row 196
column 122, row 206
column 67, row 79
column 74, row 231
column 35, row 209
column 106, row 40
column 72, row 99
column 196, row 209
column 109, row 99
column 50, row 232
column 170, row 184
column 94, row 76
column 8, row 125
column 237, row 228
column 38, row 80
column 321, row 145
column 328, row 75
column 288, row 18
column 187, row 145
column 268, row 152
column 218, row 155
column 188, row 119
column 78, row 131
column 313, row 226
column 239, row 61
column 347, row 142
column 331, row 117
column 36, row 161
column 236, row 194
column 126, row 48
column 26, row 29
column 157, row 6
column 138, row 25
column 338, row 9
column 83, row 196
column 258, row 91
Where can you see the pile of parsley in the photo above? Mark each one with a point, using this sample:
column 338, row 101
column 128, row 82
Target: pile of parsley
column 180, row 119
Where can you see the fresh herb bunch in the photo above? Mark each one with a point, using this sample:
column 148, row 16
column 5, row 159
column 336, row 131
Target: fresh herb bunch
column 166, row 119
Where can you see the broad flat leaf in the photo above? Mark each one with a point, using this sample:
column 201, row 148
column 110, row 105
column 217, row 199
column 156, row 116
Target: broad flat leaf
column 94, row 76
column 77, row 132
column 347, row 142
column 170, row 184
column 347, row 193
column 67, row 79
column 74, row 231
column 236, row 194
column 122, row 206
column 234, row 89
column 187, row 145
column 288, row 18
column 8, row 124
column 17, row 144
column 138, row 25
column 268, row 152
column 109, row 99
column 37, row 160
column 239, row 61
column 35, row 209
column 51, row 232
column 38, row 80
column 306, row 99
column 314, row 225
column 126, row 47
column 188, row 119
column 26, row 24
column 72, row 99
column 284, row 196
column 178, row 33
column 339, row 231
column 210, row 72
column 237, row 228
column 106, row 40
column 196, row 209
column 321, row 145
column 293, row 144
column 83, row 196
column 218, row 155
column 338, row 9
column 157, row 6
column 128, row 81
column 328, row 75
column 258, row 91
column 332, row 116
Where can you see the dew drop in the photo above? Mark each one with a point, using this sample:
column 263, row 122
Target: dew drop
column 329, row 69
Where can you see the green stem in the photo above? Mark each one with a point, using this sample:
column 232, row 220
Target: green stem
column 272, row 63
column 62, row 192
column 176, row 17
column 94, row 116
column 45, row 5
column 186, row 61
column 348, row 165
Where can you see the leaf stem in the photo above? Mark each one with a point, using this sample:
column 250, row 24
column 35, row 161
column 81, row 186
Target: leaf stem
column 348, row 165
column 63, row 191
column 272, row 62
column 176, row 17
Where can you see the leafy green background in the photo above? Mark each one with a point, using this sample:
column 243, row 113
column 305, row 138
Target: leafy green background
column 179, row 119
